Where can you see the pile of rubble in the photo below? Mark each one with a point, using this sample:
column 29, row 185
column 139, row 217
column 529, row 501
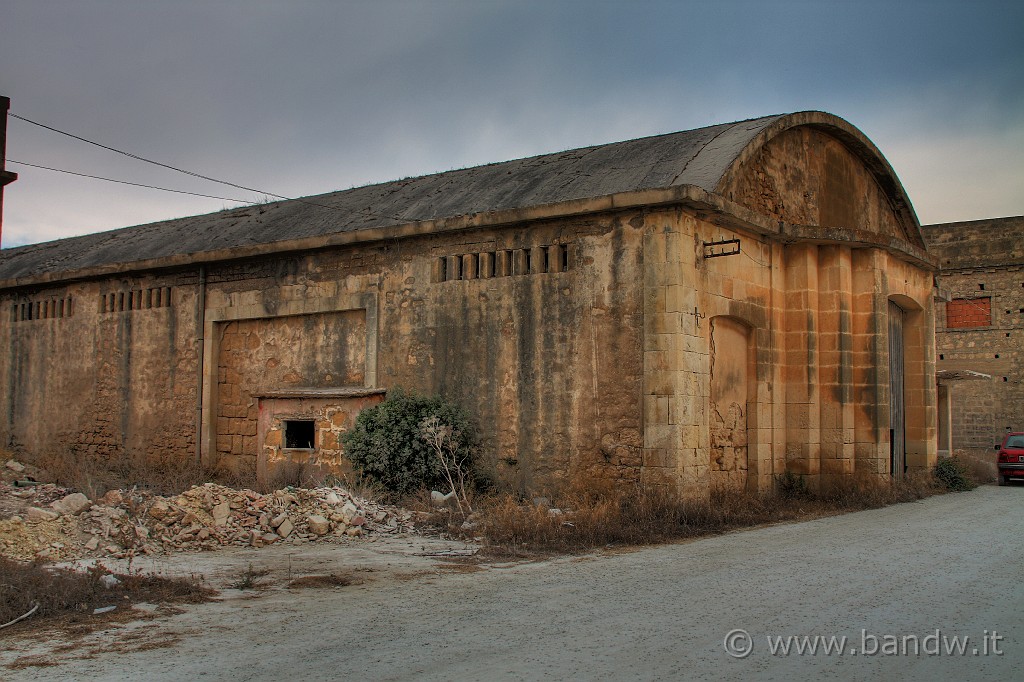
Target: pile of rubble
column 44, row 521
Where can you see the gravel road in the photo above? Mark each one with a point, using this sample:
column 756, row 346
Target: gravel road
column 950, row 564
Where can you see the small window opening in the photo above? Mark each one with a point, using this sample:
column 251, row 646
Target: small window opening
column 1005, row 379
column 564, row 251
column 529, row 261
column 941, row 356
column 299, row 433
column 981, row 287
column 997, row 356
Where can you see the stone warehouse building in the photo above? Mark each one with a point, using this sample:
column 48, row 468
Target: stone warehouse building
column 702, row 309
column 980, row 330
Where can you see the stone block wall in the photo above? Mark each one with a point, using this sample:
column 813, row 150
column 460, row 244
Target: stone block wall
column 101, row 369
column 982, row 271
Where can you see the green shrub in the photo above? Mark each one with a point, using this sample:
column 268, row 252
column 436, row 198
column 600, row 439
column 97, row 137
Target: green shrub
column 953, row 473
column 385, row 445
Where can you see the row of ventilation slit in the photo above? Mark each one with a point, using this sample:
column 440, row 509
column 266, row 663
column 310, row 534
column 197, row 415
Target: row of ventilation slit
column 43, row 310
column 503, row 263
column 136, row 299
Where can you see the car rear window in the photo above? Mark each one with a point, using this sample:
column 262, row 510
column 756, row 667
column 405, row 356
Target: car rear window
column 1015, row 442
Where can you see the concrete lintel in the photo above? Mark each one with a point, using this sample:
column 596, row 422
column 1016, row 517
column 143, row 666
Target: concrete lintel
column 816, row 234
column 341, row 392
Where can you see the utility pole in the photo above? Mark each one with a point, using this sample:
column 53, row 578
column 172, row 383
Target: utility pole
column 6, row 176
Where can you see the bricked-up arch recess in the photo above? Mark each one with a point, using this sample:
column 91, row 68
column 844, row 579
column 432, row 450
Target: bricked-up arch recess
column 323, row 350
column 732, row 371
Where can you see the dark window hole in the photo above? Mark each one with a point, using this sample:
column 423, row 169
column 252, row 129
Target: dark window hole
column 299, row 433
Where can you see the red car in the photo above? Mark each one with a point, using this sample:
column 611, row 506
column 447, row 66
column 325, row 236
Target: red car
column 1011, row 457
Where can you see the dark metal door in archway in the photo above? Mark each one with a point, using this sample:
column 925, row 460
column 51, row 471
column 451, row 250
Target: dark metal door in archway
column 897, row 412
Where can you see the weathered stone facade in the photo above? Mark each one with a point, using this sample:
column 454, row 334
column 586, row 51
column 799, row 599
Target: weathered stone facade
column 981, row 328
column 699, row 310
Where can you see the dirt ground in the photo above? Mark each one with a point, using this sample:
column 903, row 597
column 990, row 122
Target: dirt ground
column 945, row 564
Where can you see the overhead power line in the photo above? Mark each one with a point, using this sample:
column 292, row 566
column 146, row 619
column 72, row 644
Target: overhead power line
column 367, row 210
column 125, row 182
column 144, row 159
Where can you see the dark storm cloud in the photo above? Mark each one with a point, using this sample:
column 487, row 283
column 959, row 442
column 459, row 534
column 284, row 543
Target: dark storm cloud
column 303, row 97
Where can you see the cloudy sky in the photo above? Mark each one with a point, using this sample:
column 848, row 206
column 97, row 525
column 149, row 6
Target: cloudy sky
column 300, row 97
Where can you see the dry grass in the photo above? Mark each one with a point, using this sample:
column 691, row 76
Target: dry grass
column 165, row 474
column 583, row 520
column 161, row 474
column 62, row 593
column 981, row 465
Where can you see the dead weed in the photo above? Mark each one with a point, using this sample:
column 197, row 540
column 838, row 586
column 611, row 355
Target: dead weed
column 57, row 594
column 585, row 518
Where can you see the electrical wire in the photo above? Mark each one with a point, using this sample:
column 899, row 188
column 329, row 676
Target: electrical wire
column 144, row 159
column 367, row 211
column 125, row 182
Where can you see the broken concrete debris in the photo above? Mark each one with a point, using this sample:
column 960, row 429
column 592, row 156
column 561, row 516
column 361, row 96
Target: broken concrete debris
column 72, row 504
column 47, row 521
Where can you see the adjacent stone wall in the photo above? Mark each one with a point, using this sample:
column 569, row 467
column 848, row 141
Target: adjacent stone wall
column 982, row 261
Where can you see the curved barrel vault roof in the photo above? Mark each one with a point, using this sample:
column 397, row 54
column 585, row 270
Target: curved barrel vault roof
column 602, row 177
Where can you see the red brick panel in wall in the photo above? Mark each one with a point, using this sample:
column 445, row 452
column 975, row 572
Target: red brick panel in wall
column 968, row 312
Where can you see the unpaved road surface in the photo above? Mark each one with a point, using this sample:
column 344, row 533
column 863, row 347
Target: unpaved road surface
column 950, row 564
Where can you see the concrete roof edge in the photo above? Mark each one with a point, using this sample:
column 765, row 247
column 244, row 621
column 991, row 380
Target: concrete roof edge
column 680, row 194
column 711, row 206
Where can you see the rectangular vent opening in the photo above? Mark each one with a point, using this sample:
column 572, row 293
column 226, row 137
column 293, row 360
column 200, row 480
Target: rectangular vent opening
column 299, row 434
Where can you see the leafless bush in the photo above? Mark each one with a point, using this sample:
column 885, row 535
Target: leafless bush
column 444, row 441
